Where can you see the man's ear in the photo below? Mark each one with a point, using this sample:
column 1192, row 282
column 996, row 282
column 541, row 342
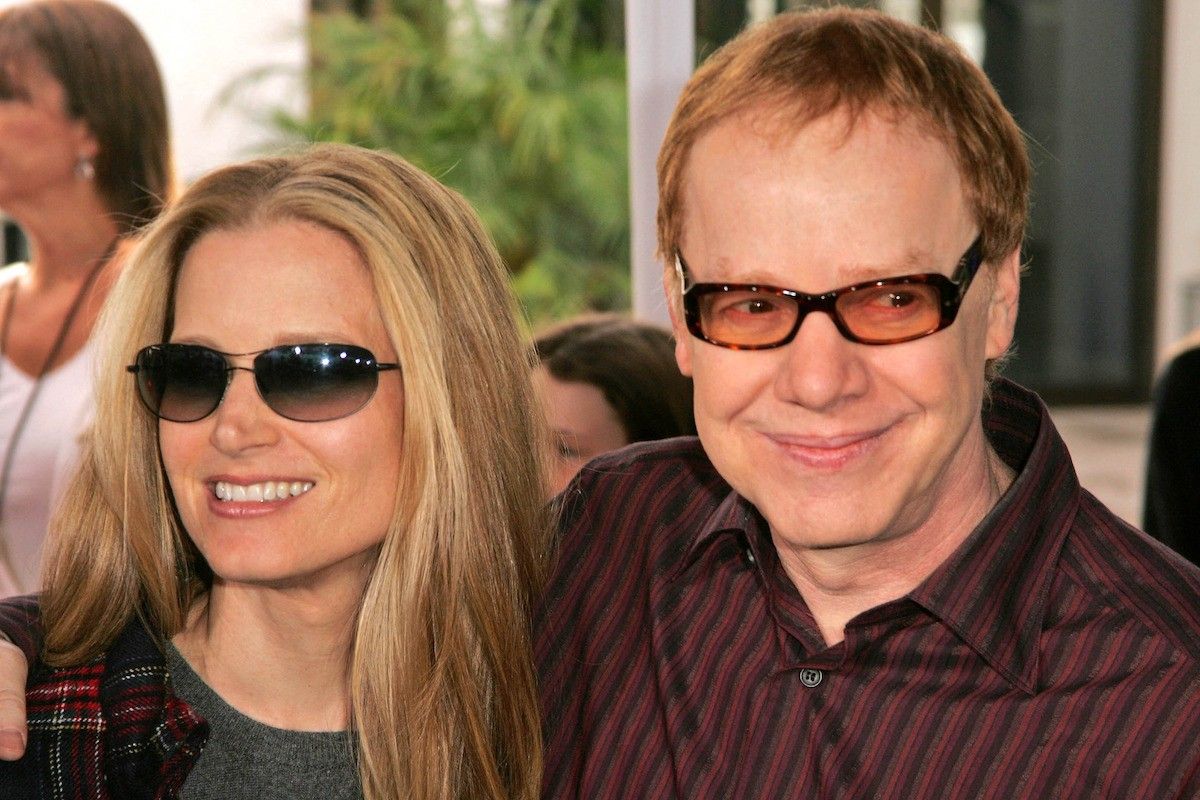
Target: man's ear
column 683, row 339
column 1002, row 308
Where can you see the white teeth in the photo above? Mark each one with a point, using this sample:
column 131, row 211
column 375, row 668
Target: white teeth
column 259, row 492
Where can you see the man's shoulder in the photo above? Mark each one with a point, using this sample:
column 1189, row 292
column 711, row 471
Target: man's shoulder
column 1133, row 574
column 1177, row 387
column 636, row 461
column 630, row 488
column 643, row 502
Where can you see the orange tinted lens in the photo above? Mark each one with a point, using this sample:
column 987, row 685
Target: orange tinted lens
column 746, row 318
column 890, row 312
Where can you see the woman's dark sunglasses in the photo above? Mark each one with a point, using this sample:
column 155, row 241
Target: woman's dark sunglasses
column 302, row 382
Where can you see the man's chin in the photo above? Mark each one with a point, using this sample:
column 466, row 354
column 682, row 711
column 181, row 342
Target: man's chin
column 822, row 523
column 825, row 540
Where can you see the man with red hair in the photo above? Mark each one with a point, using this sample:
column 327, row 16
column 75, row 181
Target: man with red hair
column 874, row 575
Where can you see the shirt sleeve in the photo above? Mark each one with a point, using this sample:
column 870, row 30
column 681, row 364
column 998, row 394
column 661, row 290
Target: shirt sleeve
column 21, row 623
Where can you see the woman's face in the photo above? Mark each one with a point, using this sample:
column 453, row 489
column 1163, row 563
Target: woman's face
column 582, row 423
column 245, row 290
column 40, row 144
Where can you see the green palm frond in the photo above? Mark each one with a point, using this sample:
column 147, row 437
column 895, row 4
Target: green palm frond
column 528, row 122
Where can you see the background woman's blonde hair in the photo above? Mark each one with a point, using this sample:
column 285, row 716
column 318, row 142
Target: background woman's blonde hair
column 444, row 701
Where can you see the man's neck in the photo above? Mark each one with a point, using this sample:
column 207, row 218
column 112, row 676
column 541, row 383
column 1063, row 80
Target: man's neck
column 840, row 583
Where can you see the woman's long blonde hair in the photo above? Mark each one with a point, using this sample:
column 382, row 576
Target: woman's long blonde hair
column 444, row 702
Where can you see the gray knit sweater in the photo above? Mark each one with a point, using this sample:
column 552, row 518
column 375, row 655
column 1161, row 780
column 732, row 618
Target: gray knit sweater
column 247, row 760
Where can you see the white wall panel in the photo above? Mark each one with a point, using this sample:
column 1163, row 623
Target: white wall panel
column 203, row 46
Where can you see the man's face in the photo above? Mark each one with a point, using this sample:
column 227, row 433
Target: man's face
column 837, row 443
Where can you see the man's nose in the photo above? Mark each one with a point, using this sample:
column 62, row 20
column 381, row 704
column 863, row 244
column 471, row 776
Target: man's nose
column 821, row 367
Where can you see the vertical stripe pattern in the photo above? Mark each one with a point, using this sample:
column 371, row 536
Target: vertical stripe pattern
column 1053, row 655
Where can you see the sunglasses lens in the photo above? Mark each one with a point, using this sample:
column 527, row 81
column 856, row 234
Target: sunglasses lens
column 179, row 382
column 745, row 318
column 316, row 383
column 892, row 312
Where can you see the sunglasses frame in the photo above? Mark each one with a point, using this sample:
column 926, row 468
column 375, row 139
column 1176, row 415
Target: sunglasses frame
column 136, row 368
column 951, row 292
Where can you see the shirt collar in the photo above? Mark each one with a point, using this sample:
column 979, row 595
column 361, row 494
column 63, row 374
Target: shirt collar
column 152, row 738
column 733, row 516
column 993, row 590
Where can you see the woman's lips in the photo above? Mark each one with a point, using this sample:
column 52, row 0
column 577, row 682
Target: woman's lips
column 251, row 497
column 259, row 491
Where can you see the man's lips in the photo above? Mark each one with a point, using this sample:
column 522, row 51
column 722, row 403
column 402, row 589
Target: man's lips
column 827, row 451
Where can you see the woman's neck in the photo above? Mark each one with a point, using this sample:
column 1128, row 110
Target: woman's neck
column 65, row 242
column 70, row 256
column 279, row 657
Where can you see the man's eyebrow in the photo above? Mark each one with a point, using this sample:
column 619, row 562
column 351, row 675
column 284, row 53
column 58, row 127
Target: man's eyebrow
column 914, row 261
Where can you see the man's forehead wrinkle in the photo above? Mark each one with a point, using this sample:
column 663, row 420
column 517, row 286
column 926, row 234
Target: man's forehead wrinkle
column 792, row 274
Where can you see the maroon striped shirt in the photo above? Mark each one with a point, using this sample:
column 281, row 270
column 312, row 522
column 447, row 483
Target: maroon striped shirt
column 1054, row 655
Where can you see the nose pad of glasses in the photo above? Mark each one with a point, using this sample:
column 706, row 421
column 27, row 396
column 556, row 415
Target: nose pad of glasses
column 227, row 386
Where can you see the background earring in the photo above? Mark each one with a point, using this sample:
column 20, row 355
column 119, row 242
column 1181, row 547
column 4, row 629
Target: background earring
column 85, row 169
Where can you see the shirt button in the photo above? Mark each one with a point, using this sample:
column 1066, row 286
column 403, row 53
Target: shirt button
column 811, row 677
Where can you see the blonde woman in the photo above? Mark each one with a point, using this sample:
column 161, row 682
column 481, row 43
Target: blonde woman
column 309, row 525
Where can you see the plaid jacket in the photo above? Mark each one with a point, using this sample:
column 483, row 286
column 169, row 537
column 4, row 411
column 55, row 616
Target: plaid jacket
column 108, row 730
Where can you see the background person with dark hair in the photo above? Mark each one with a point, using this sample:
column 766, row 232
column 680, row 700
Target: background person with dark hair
column 606, row 381
column 1172, row 503
column 84, row 162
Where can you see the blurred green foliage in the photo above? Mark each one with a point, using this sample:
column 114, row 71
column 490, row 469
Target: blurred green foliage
column 511, row 108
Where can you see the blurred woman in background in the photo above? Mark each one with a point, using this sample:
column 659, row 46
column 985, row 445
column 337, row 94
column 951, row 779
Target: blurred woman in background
column 84, row 163
column 606, row 381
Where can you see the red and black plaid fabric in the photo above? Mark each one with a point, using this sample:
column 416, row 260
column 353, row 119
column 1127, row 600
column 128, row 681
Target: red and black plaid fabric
column 109, row 730
column 1054, row 655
